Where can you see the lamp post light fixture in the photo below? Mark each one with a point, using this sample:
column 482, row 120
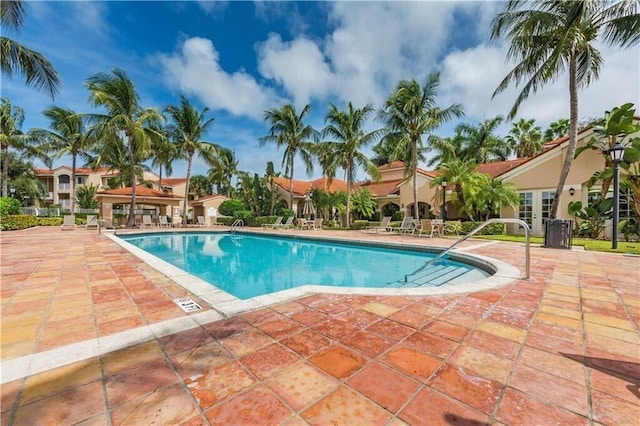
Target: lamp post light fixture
column 25, row 200
column 443, row 211
column 12, row 191
column 616, row 154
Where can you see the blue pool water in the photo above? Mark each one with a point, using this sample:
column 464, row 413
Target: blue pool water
column 248, row 266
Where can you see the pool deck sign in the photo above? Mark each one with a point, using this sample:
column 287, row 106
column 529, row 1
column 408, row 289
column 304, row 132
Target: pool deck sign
column 187, row 304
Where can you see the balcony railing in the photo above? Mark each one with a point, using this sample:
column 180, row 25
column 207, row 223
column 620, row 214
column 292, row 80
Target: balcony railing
column 64, row 187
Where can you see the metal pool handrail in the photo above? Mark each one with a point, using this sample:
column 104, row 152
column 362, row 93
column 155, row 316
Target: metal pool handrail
column 478, row 228
column 237, row 224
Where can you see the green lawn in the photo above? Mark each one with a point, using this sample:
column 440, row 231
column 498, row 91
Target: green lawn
column 588, row 244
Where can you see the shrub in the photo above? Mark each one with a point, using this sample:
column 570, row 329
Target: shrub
column 9, row 206
column 397, row 217
column 359, row 224
column 230, row 207
column 490, row 229
column 49, row 221
column 264, row 220
column 15, row 222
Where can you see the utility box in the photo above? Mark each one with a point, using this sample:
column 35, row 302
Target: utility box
column 558, row 233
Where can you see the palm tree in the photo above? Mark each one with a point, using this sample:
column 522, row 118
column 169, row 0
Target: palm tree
column 525, row 138
column 557, row 129
column 164, row 153
column 125, row 118
column 345, row 128
column 446, row 149
column 14, row 57
column 459, row 174
column 222, row 171
column 548, row 37
column 288, row 130
column 68, row 135
column 187, row 129
column 411, row 112
column 480, row 143
column 12, row 137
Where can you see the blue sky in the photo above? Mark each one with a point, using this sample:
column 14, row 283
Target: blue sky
column 240, row 58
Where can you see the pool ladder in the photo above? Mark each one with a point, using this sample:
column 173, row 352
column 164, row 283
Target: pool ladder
column 238, row 223
column 437, row 274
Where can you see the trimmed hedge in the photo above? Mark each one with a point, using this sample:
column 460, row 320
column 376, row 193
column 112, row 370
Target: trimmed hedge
column 490, row 229
column 358, row 224
column 14, row 222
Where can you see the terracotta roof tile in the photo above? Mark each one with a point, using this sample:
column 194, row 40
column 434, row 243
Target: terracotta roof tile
column 394, row 165
column 381, row 189
column 301, row 187
column 498, row 168
column 171, row 181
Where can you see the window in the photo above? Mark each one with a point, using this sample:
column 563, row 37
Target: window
column 525, row 211
column 81, row 180
column 547, row 202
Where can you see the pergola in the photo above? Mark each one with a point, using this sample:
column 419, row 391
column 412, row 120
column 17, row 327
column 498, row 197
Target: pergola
column 144, row 197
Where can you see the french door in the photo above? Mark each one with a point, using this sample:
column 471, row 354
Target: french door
column 534, row 209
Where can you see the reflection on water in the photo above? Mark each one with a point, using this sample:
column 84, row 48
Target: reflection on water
column 248, row 266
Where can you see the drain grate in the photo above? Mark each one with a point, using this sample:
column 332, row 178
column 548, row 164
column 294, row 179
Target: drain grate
column 187, row 304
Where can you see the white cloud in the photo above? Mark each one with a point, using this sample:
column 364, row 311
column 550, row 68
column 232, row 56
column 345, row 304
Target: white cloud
column 212, row 7
column 299, row 66
column 195, row 70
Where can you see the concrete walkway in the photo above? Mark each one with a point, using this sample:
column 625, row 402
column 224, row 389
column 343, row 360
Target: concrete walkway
column 91, row 334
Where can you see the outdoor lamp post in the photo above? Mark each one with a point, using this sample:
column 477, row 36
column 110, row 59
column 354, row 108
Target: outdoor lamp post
column 616, row 157
column 443, row 211
column 25, row 200
column 12, row 190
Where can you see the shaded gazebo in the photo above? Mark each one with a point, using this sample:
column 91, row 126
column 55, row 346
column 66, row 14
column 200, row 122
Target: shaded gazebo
column 144, row 197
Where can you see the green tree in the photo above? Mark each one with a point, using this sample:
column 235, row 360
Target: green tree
column 86, row 196
column 557, row 129
column 480, row 143
column 525, row 138
column 460, row 175
column 68, row 135
column 445, row 149
column 270, row 182
column 223, row 169
column 163, row 152
column 124, row 119
column 345, row 129
column 492, row 195
column 16, row 58
column 288, row 130
column 363, row 203
column 548, row 37
column 188, row 127
column 12, row 138
column 200, row 185
column 409, row 113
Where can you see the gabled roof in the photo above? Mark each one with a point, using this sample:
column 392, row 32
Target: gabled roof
column 79, row 170
column 301, row 187
column 202, row 200
column 141, row 191
column 498, row 168
column 393, row 165
column 171, row 181
column 381, row 189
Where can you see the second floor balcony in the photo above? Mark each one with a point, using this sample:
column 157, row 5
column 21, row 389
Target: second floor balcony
column 64, row 187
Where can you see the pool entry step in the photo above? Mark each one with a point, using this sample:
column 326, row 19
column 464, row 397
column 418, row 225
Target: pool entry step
column 433, row 275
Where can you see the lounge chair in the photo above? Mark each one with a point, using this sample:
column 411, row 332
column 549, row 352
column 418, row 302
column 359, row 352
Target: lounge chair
column 407, row 226
column 176, row 221
column 146, row 221
column 201, row 221
column 383, row 227
column 317, row 224
column 427, row 228
column 163, row 222
column 213, row 221
column 92, row 221
column 69, row 223
column 273, row 225
column 288, row 224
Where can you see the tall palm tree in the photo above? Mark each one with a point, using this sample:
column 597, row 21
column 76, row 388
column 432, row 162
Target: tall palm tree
column 480, row 143
column 548, row 37
column 12, row 137
column 223, row 169
column 343, row 150
column 124, row 118
column 188, row 127
column 288, row 130
column 14, row 57
column 164, row 153
column 461, row 175
column 525, row 138
column 445, row 149
column 68, row 135
column 411, row 112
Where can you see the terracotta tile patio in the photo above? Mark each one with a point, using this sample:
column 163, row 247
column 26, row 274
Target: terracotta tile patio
column 561, row 348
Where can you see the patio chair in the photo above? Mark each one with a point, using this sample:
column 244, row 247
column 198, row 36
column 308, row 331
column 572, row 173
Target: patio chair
column 407, row 226
column 146, row 221
column 317, row 224
column 176, row 221
column 427, row 228
column 201, row 221
column 69, row 223
column 383, row 227
column 273, row 225
column 213, row 221
column 163, row 222
column 92, row 221
column 288, row 224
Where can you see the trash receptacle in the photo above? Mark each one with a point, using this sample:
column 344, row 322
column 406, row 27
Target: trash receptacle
column 558, row 233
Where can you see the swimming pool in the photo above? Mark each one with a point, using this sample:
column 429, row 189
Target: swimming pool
column 247, row 266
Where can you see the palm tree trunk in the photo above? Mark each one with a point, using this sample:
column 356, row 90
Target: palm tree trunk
column 131, row 220
column 186, row 191
column 414, row 165
column 73, row 184
column 349, row 183
column 5, row 170
column 291, row 185
column 573, row 135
